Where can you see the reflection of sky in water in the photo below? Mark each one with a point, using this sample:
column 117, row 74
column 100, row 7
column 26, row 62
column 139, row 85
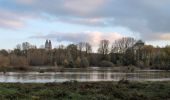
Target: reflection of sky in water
column 83, row 75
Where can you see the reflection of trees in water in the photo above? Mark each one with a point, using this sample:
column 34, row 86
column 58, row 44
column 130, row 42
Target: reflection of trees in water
column 84, row 76
column 104, row 76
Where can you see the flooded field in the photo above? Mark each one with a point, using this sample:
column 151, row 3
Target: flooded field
column 84, row 75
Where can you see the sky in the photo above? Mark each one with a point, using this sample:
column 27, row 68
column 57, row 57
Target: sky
column 73, row 21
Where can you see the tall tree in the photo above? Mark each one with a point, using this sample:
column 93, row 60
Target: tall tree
column 72, row 49
column 84, row 47
column 59, row 55
column 37, row 57
column 26, row 45
column 147, row 54
column 121, row 45
column 81, row 48
column 167, row 58
column 104, row 49
column 4, row 52
column 88, row 48
column 121, row 51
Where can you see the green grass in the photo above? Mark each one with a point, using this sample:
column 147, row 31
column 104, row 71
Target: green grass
column 86, row 91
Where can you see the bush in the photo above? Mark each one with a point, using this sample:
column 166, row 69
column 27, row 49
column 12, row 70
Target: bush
column 18, row 61
column 4, row 61
column 123, row 81
column 21, row 68
column 84, row 62
column 71, row 64
column 78, row 62
column 140, row 64
column 106, row 64
column 66, row 63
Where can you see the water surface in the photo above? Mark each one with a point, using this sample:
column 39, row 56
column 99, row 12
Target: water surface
column 84, row 75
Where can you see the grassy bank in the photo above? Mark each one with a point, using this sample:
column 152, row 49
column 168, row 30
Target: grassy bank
column 86, row 91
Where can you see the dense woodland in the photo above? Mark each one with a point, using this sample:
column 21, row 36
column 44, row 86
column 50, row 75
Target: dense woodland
column 122, row 52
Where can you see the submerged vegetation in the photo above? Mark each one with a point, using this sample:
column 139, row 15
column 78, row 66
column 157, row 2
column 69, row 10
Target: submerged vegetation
column 123, row 52
column 123, row 90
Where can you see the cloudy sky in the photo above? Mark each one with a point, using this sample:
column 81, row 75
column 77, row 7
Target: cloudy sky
column 72, row 21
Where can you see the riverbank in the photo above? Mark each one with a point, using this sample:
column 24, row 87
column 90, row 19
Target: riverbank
column 42, row 69
column 122, row 90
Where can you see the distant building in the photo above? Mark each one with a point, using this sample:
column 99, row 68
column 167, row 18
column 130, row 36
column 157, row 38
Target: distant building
column 137, row 49
column 138, row 45
column 48, row 45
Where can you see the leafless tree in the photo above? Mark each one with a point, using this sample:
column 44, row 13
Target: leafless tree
column 88, row 48
column 121, row 45
column 84, row 47
column 104, row 50
column 104, row 47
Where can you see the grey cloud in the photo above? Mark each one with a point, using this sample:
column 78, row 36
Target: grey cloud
column 150, row 18
column 60, row 37
column 9, row 20
column 99, row 22
column 22, row 9
column 93, row 37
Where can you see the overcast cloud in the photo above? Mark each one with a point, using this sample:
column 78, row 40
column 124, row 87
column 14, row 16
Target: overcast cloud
column 93, row 37
column 150, row 18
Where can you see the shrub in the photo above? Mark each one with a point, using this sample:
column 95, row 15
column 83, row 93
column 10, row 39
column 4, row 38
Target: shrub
column 140, row 64
column 78, row 62
column 21, row 68
column 35, row 98
column 131, row 68
column 4, row 61
column 84, row 62
column 71, row 64
column 123, row 81
column 106, row 64
column 18, row 61
column 66, row 63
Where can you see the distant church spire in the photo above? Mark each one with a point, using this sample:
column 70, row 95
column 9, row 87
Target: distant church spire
column 48, row 45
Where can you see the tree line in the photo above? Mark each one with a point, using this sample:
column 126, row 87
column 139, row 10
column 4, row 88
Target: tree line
column 126, row 51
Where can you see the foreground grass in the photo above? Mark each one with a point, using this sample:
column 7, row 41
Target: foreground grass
column 86, row 91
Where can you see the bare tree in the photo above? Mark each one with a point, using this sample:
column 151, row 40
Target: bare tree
column 19, row 47
column 4, row 61
column 88, row 48
column 37, row 57
column 26, row 46
column 59, row 55
column 104, row 49
column 72, row 49
column 84, row 47
column 81, row 47
column 121, row 45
